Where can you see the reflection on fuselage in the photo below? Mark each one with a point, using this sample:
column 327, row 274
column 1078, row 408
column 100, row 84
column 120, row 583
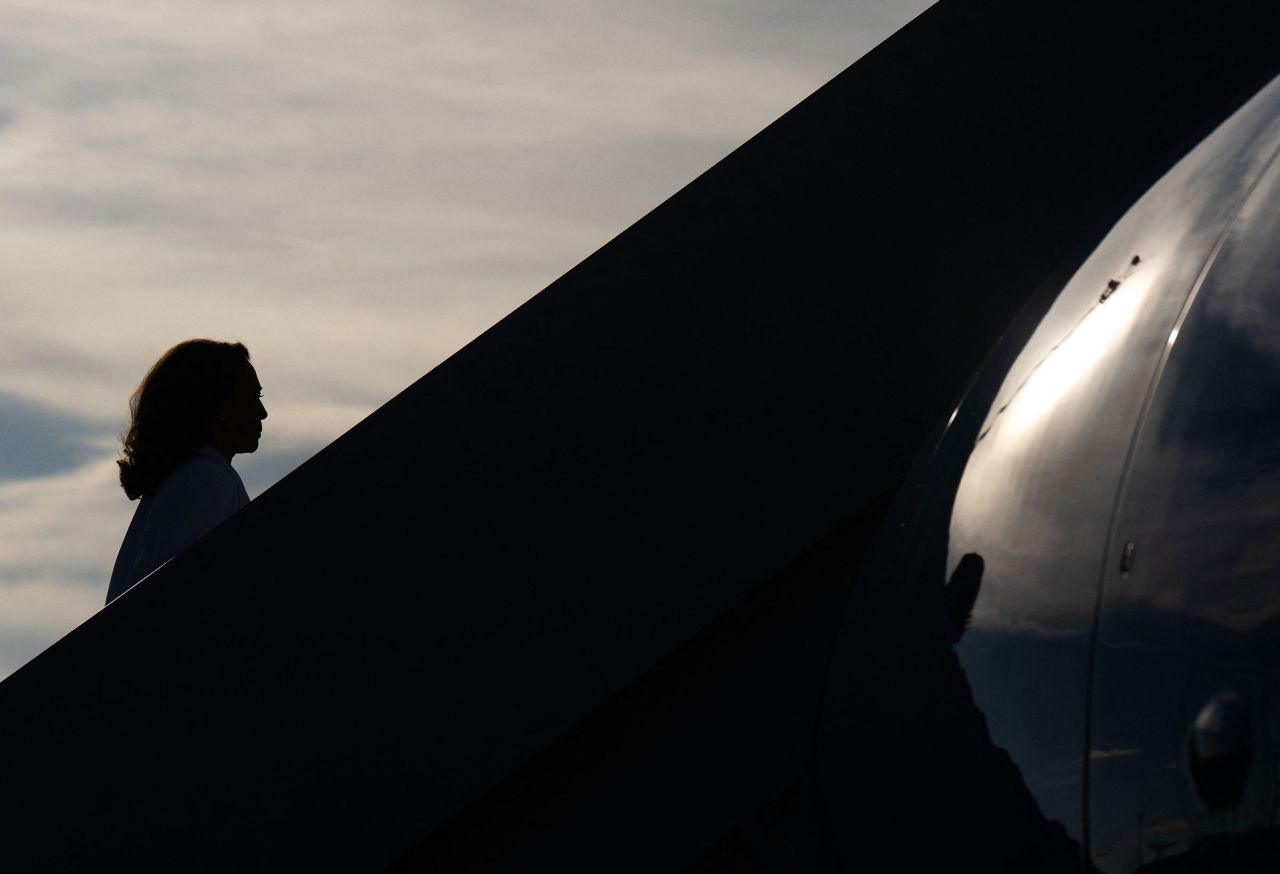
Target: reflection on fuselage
column 1194, row 619
column 1110, row 702
column 921, row 756
column 1129, row 456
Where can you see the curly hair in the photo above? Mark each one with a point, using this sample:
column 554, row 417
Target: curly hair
column 174, row 408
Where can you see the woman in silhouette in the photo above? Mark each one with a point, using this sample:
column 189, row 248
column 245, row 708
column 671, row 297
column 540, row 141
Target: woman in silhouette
column 199, row 405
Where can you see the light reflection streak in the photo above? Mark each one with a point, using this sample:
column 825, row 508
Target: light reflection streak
column 1073, row 359
column 998, row 511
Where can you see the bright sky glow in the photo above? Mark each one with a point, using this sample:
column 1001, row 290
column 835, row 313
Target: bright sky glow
column 354, row 191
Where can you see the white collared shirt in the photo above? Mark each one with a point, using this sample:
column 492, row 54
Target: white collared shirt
column 203, row 490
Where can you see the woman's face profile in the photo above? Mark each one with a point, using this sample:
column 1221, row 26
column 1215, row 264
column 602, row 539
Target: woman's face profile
column 240, row 425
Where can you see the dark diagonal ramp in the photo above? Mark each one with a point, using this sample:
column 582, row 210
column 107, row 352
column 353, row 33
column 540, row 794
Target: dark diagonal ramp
column 562, row 604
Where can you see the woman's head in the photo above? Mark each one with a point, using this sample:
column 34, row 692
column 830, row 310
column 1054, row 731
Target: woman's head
column 199, row 391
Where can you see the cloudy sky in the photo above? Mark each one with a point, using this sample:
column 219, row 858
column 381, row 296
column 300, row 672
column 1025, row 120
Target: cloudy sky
column 354, row 191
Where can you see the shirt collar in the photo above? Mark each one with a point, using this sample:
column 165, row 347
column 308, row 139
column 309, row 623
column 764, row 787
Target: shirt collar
column 203, row 448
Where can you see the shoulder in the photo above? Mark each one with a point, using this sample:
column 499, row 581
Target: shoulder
column 199, row 472
column 200, row 477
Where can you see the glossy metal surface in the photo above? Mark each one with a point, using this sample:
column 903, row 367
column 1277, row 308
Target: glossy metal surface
column 1134, row 449
column 1097, row 690
column 1189, row 635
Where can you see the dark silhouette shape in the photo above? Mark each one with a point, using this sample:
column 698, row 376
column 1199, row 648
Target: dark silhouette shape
column 423, row 616
column 961, row 593
column 197, row 407
column 908, row 734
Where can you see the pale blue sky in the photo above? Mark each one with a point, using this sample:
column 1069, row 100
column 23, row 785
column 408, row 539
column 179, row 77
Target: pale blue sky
column 353, row 190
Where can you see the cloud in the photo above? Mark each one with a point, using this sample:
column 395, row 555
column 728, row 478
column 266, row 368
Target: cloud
column 185, row 170
column 1102, row 755
column 355, row 192
column 61, row 533
column 40, row 440
column 45, row 518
